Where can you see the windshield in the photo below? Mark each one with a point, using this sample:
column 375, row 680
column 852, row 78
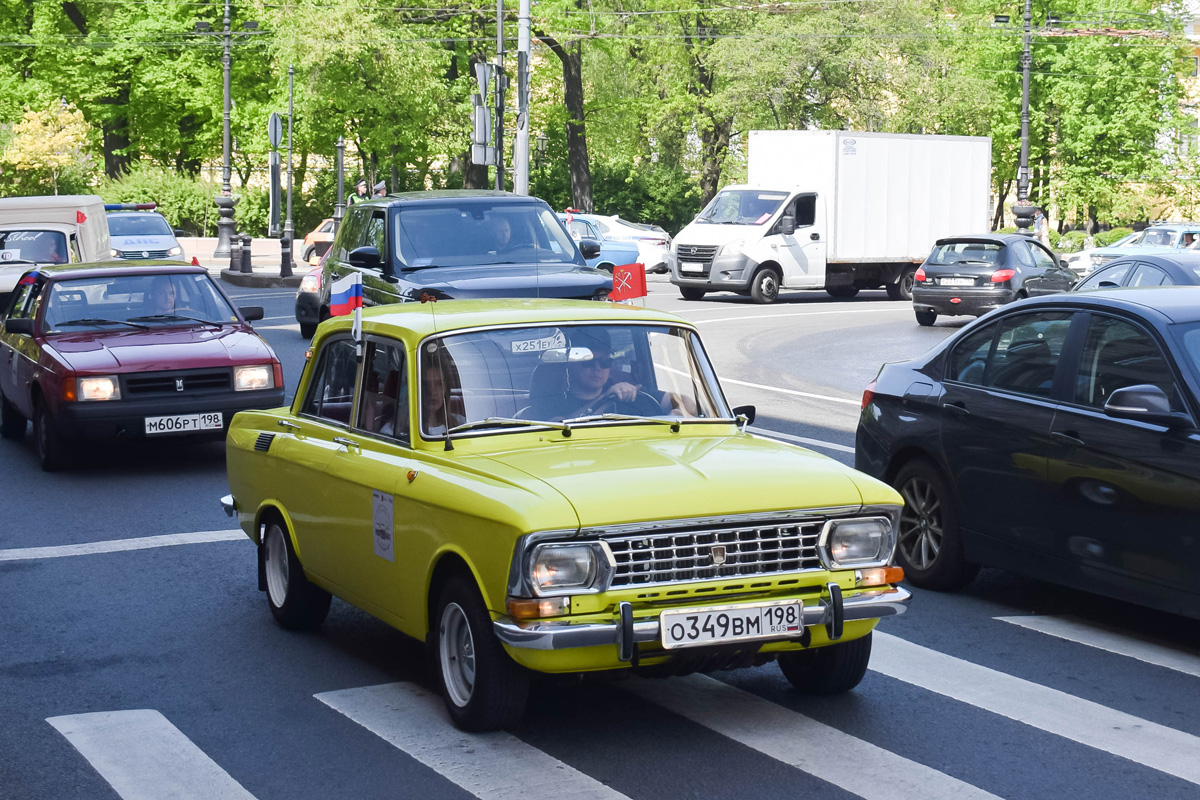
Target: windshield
column 135, row 301
column 1156, row 238
column 39, row 247
column 742, row 207
column 475, row 233
column 138, row 225
column 513, row 377
column 966, row 253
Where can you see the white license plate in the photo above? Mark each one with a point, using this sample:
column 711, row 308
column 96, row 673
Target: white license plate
column 692, row 627
column 690, row 266
column 184, row 423
column 956, row 282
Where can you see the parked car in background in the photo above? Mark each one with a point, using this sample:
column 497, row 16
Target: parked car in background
column 971, row 275
column 454, row 244
column 613, row 253
column 317, row 242
column 1056, row 437
column 122, row 351
column 488, row 478
column 62, row 229
column 1155, row 239
column 137, row 231
column 654, row 243
column 1081, row 261
column 1167, row 269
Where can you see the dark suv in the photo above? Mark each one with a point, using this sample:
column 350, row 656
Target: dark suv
column 454, row 244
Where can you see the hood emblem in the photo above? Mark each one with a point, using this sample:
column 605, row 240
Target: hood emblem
column 691, row 251
column 179, row 384
column 145, row 254
column 717, row 553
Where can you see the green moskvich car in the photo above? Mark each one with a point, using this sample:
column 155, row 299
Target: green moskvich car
column 559, row 487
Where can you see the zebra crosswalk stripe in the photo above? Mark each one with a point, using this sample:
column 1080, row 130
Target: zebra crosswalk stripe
column 1115, row 732
column 491, row 766
column 835, row 757
column 144, row 757
column 1112, row 640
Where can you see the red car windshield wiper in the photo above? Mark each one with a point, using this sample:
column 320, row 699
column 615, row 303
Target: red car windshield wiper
column 99, row 321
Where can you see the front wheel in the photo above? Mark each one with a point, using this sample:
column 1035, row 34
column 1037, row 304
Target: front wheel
column 928, row 542
column 51, row 449
column 12, row 422
column 308, row 251
column 295, row 603
column 765, row 287
column 832, row 669
column 483, row 688
column 902, row 288
column 926, row 318
column 308, row 329
column 688, row 293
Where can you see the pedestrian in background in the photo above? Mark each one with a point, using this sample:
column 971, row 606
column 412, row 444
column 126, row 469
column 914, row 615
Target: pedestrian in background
column 360, row 193
column 1041, row 228
column 381, row 189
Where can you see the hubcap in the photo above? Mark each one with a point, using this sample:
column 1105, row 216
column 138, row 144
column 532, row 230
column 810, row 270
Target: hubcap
column 456, row 650
column 769, row 287
column 276, row 566
column 920, row 538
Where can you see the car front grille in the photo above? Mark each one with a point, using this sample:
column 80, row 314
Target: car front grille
column 151, row 383
column 138, row 254
column 717, row 552
column 1100, row 260
column 696, row 254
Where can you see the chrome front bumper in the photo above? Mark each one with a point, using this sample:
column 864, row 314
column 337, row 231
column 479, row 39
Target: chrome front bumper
column 831, row 612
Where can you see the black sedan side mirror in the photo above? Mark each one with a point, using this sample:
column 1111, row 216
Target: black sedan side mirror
column 23, row 326
column 251, row 313
column 1062, row 262
column 1144, row 402
column 787, row 224
column 364, row 257
column 590, row 248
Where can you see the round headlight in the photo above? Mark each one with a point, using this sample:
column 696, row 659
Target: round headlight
column 857, row 542
column 567, row 568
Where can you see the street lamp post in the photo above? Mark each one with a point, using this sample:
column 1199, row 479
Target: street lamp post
column 224, row 201
column 288, row 229
column 1022, row 210
column 339, row 210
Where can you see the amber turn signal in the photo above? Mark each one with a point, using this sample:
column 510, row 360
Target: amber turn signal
column 538, row 607
column 880, row 576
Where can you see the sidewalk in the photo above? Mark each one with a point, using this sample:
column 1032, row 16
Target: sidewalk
column 264, row 256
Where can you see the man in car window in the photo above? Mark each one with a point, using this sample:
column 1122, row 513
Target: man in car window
column 587, row 382
column 161, row 296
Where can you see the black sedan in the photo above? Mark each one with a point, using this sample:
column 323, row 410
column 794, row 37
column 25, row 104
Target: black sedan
column 1168, row 269
column 971, row 275
column 1056, row 437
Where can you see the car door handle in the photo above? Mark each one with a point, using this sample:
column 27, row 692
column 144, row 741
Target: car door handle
column 815, row 237
column 1067, row 437
column 347, row 443
column 286, row 423
column 957, row 408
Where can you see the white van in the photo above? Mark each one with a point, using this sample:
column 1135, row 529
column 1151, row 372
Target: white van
column 62, row 229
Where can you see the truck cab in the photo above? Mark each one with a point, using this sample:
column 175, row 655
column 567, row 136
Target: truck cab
column 34, row 231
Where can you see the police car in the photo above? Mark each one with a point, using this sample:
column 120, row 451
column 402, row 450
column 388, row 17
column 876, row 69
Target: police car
column 137, row 231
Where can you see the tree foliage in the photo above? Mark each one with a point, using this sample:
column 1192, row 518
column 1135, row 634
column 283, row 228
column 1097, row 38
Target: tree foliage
column 49, row 142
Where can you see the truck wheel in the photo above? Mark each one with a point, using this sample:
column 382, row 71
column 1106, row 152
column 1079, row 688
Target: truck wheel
column 902, row 288
column 926, row 318
column 832, row 669
column 764, row 288
column 842, row 291
column 483, row 688
column 688, row 293
column 295, row 603
column 928, row 542
column 12, row 423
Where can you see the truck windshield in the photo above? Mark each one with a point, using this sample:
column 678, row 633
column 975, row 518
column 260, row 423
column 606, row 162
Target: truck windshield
column 38, row 247
column 742, row 207
column 474, row 233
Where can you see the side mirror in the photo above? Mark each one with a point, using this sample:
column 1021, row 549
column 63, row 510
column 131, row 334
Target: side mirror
column 787, row 224
column 590, row 248
column 1062, row 262
column 1144, row 403
column 364, row 257
column 745, row 416
column 23, row 325
column 179, row 232
column 251, row 313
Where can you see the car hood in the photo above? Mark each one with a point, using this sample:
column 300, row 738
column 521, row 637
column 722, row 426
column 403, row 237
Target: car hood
column 684, row 476
column 710, row 233
column 160, row 349
column 142, row 242
column 510, row 280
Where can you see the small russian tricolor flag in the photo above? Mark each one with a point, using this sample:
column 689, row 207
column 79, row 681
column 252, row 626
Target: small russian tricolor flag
column 346, row 294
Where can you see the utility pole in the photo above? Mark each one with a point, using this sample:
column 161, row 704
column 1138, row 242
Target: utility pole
column 521, row 142
column 1021, row 209
column 499, row 95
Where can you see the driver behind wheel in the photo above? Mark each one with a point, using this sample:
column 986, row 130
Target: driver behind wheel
column 588, row 383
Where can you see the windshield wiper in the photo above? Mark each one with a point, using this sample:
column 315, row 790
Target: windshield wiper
column 170, row 317
column 672, row 421
column 99, row 321
column 506, row 422
column 415, row 267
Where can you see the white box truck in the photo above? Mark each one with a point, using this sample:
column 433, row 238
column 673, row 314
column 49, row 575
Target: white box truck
column 835, row 210
column 60, row 229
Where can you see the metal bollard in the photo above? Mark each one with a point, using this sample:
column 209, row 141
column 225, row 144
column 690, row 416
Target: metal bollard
column 285, row 253
column 247, row 267
column 235, row 253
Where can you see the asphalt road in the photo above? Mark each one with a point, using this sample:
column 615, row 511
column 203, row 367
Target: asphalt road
column 161, row 669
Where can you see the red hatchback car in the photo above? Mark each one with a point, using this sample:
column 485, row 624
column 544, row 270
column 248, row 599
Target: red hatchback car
column 106, row 351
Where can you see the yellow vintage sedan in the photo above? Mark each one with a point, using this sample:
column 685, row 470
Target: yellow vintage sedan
column 541, row 486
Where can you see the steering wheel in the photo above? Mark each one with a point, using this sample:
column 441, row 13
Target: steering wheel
column 643, row 404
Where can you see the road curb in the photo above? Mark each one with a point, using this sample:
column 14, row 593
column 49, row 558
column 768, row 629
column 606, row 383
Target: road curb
column 260, row 281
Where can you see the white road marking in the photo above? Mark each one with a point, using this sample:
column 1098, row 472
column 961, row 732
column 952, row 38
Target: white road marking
column 748, row 317
column 793, row 392
column 491, row 766
column 838, row 758
column 1112, row 640
column 118, row 545
column 1115, row 732
column 804, row 440
column 144, row 757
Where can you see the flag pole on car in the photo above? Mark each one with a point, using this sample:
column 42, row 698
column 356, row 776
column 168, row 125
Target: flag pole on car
column 346, row 297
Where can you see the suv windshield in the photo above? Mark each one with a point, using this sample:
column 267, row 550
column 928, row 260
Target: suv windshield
column 966, row 253
column 39, row 247
column 512, row 377
column 478, row 233
column 125, row 224
column 1156, row 238
column 135, row 301
column 742, row 207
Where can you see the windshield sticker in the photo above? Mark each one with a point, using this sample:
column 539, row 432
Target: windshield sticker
column 762, row 219
column 25, row 236
column 382, row 506
column 538, row 345
column 10, row 255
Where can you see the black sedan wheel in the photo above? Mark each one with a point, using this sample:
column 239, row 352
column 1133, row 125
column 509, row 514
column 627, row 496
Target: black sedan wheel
column 926, row 318
column 832, row 669
column 929, row 545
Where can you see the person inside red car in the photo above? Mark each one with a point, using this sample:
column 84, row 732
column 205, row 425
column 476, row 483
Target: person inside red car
column 161, row 296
